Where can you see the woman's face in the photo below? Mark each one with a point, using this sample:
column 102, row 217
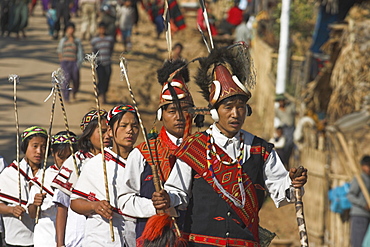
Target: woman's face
column 95, row 137
column 35, row 151
column 125, row 131
column 60, row 157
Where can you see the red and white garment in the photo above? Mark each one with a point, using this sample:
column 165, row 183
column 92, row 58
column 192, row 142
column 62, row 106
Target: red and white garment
column 44, row 232
column 67, row 176
column 17, row 232
column 64, row 182
column 90, row 186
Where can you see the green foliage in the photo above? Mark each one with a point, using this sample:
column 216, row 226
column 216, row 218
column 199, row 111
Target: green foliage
column 302, row 22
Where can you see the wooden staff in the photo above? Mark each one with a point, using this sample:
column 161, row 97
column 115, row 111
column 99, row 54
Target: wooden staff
column 299, row 211
column 54, row 93
column 205, row 15
column 157, row 183
column 156, row 180
column 58, row 78
column 15, row 80
column 167, row 26
column 92, row 59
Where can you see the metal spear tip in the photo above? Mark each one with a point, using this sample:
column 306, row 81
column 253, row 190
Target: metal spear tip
column 13, row 78
column 91, row 57
column 57, row 77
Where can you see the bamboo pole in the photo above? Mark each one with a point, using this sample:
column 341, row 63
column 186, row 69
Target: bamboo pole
column 15, row 80
column 92, row 59
column 54, row 92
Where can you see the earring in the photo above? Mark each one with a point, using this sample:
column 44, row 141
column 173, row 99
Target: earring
column 159, row 114
column 214, row 115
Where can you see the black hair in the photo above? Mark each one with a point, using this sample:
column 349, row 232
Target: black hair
column 84, row 143
column 25, row 142
column 118, row 117
column 70, row 24
column 365, row 161
column 243, row 98
column 60, row 147
column 102, row 24
column 178, row 44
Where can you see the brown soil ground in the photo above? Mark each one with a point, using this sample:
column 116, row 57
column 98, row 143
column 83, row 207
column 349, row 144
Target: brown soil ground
column 34, row 58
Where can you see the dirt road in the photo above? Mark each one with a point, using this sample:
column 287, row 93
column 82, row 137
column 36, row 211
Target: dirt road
column 35, row 58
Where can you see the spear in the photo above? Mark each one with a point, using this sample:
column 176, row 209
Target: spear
column 157, row 183
column 58, row 77
column 92, row 59
column 15, row 80
column 205, row 15
column 54, row 93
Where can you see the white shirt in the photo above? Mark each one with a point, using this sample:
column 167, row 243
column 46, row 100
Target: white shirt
column 3, row 164
column 277, row 178
column 44, row 232
column 75, row 226
column 91, row 183
column 130, row 201
column 17, row 232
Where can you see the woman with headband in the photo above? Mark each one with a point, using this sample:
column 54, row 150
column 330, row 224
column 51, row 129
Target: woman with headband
column 44, row 232
column 70, row 226
column 17, row 222
column 89, row 196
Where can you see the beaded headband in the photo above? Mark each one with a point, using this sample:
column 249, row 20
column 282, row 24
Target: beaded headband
column 118, row 109
column 61, row 139
column 32, row 131
column 90, row 116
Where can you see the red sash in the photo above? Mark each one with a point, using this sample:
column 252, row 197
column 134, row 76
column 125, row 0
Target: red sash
column 193, row 152
column 162, row 149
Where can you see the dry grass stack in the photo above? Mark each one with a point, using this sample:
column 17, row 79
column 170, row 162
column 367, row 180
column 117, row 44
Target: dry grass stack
column 350, row 78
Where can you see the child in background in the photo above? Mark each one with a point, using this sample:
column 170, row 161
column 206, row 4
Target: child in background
column 44, row 233
column 126, row 17
column 51, row 18
column 360, row 211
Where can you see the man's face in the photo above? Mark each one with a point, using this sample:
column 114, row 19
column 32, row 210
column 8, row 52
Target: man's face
column 173, row 121
column 366, row 169
column 70, row 31
column 232, row 115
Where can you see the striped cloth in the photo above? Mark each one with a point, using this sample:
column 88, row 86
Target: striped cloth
column 157, row 9
column 105, row 47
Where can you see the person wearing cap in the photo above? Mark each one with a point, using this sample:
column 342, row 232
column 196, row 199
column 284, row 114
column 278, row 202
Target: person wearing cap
column 18, row 224
column 70, row 226
column 71, row 55
column 44, row 232
column 221, row 175
column 137, row 182
column 89, row 194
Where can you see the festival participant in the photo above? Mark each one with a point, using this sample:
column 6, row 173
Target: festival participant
column 104, row 45
column 44, row 233
column 220, row 175
column 89, row 194
column 18, row 224
column 70, row 226
column 71, row 56
column 137, row 183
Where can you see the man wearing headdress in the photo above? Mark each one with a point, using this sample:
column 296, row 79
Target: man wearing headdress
column 220, row 175
column 175, row 99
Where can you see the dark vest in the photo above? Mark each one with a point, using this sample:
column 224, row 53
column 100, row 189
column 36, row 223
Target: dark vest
column 208, row 213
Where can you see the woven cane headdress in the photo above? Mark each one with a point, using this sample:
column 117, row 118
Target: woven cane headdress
column 226, row 72
column 173, row 73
